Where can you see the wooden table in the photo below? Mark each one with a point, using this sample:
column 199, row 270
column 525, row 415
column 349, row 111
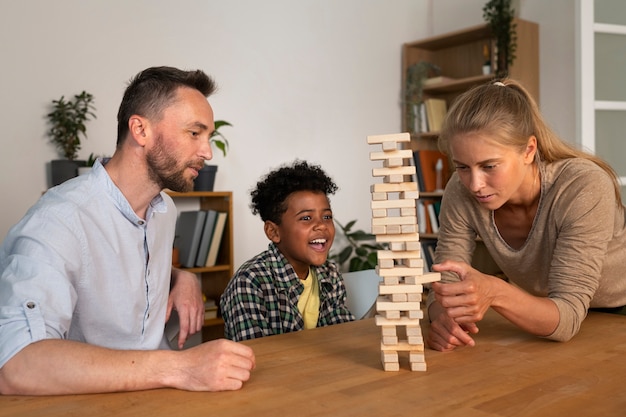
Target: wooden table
column 336, row 371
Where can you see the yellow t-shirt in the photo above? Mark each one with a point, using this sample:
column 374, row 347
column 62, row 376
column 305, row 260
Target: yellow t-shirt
column 309, row 302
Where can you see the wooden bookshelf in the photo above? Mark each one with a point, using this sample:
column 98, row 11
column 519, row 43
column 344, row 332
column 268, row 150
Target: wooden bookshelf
column 215, row 278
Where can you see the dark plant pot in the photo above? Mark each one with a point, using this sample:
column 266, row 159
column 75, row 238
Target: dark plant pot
column 62, row 170
column 206, row 178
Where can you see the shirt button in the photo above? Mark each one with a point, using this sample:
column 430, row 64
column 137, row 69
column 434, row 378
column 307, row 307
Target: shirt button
column 31, row 304
column 141, row 222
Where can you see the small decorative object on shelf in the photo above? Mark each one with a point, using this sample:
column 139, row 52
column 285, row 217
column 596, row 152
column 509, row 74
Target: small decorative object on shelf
column 487, row 58
column 206, row 177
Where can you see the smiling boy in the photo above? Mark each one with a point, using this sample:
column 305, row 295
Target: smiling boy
column 291, row 286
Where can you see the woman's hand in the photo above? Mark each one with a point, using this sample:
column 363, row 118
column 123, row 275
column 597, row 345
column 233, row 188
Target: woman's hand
column 466, row 301
column 446, row 334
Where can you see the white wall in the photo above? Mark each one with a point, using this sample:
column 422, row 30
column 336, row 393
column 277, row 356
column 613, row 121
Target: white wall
column 305, row 79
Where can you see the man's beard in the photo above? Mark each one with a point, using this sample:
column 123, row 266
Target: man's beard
column 163, row 169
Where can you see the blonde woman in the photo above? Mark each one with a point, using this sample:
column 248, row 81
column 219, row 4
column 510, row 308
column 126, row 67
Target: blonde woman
column 550, row 215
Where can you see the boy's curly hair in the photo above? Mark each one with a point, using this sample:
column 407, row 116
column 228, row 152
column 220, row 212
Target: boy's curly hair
column 268, row 199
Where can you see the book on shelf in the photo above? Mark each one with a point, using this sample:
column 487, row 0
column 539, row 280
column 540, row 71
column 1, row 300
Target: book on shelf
column 216, row 239
column 432, row 216
column 431, row 170
column 210, row 309
column 420, row 119
column 205, row 240
column 189, row 231
column 421, row 217
column 436, row 109
column 428, row 253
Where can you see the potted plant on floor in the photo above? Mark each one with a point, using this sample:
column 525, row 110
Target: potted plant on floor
column 205, row 180
column 68, row 120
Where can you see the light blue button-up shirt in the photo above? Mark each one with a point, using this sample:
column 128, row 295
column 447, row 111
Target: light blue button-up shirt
column 81, row 265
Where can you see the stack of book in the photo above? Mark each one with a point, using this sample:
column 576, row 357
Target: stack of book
column 210, row 309
column 199, row 237
column 432, row 112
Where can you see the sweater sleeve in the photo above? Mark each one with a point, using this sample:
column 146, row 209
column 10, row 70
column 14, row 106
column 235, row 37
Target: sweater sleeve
column 583, row 217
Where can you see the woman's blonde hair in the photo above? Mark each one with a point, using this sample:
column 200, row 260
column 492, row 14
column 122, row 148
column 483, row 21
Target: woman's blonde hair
column 505, row 111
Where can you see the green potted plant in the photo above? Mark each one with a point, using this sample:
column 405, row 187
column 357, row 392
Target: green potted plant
column 499, row 15
column 68, row 120
column 205, row 180
column 361, row 250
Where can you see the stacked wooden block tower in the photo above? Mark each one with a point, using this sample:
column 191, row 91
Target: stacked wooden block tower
column 394, row 221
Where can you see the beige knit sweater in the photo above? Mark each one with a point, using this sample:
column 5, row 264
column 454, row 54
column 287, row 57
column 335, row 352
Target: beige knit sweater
column 575, row 253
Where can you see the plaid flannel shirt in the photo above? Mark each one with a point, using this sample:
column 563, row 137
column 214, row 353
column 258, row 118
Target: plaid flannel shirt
column 262, row 298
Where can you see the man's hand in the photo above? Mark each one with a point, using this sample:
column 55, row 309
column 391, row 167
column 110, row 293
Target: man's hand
column 186, row 298
column 217, row 365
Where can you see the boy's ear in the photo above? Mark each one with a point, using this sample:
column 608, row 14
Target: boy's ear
column 271, row 231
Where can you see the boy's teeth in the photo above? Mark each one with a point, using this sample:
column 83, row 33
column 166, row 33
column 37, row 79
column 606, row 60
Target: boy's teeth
column 319, row 241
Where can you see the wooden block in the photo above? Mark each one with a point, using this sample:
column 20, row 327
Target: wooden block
column 397, row 246
column 391, row 280
column 418, row 366
column 392, row 137
column 414, row 297
column 400, row 289
column 393, row 229
column 415, row 340
column 379, row 196
column 391, row 314
column 408, row 228
column 409, row 194
column 388, row 356
column 391, row 188
column 413, row 245
column 389, row 330
column 391, row 204
column 406, row 237
column 399, row 298
column 390, row 340
column 394, row 179
column 401, row 170
column 415, row 313
column 424, row 278
column 411, row 330
column 403, row 346
column 399, row 254
column 399, row 271
column 379, row 230
column 393, row 162
column 379, row 213
column 398, row 153
column 416, row 357
column 401, row 321
column 386, row 263
column 408, row 211
column 384, row 305
column 391, row 366
column 390, row 146
column 413, row 263
column 395, row 220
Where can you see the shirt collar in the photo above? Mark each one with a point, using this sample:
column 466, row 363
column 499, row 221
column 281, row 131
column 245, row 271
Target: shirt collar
column 103, row 180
